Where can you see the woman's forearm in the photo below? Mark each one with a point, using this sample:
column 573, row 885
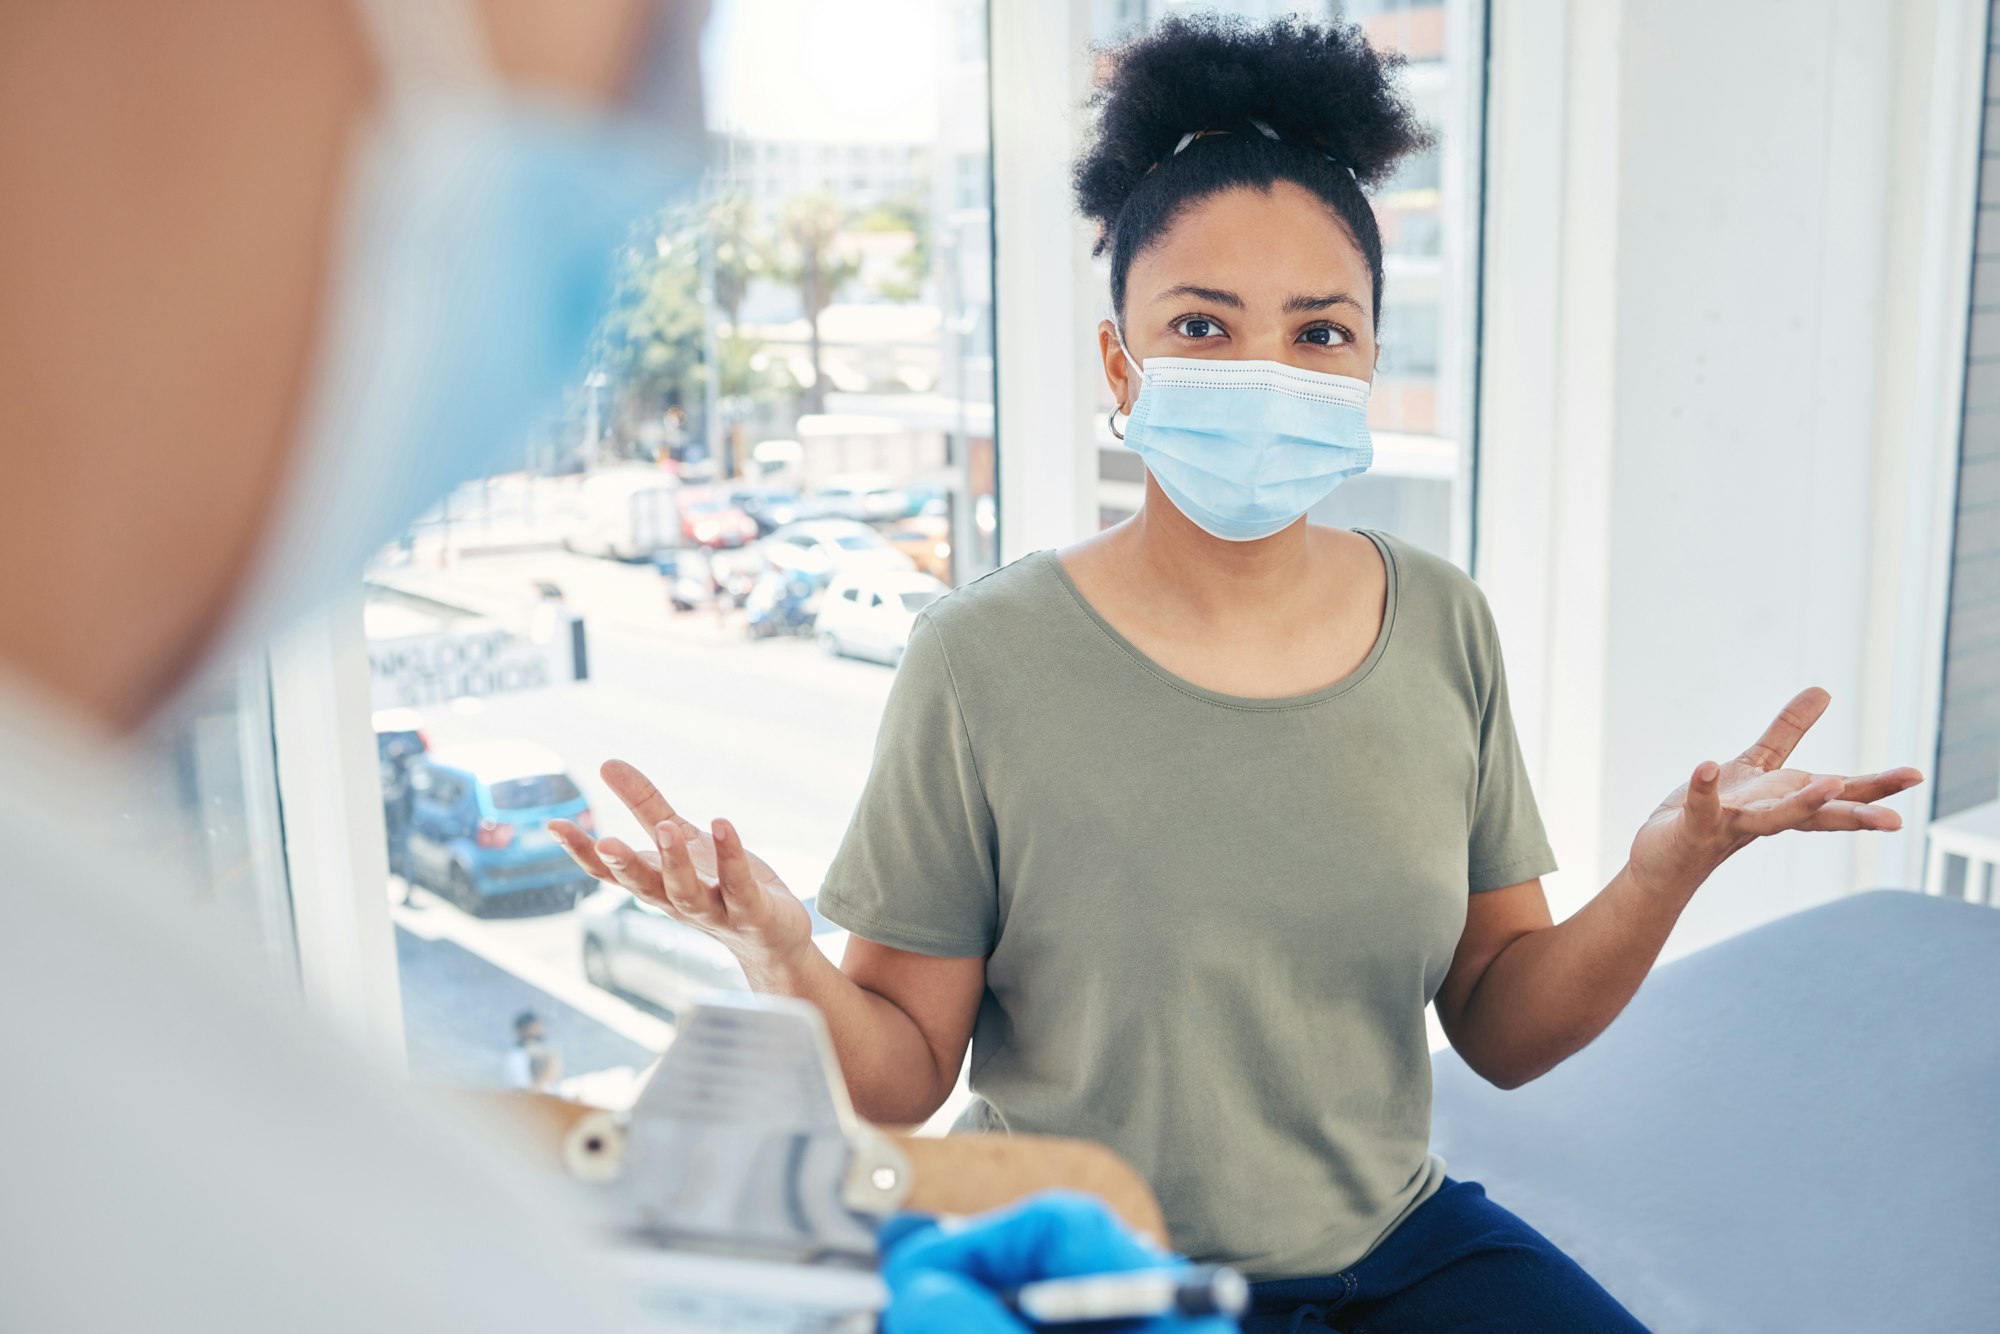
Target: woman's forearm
column 1550, row 991
column 892, row 1073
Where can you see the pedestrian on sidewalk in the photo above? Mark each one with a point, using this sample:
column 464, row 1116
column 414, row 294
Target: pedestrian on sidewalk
column 533, row 1064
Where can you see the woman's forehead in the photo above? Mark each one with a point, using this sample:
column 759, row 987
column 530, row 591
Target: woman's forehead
column 1255, row 243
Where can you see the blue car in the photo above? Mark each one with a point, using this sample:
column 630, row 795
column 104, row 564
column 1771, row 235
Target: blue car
column 478, row 828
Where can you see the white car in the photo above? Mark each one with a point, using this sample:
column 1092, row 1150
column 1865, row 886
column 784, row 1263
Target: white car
column 823, row 548
column 862, row 496
column 869, row 615
column 631, row 947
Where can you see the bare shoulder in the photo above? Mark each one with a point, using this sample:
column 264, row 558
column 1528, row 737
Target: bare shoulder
column 1351, row 556
column 1092, row 560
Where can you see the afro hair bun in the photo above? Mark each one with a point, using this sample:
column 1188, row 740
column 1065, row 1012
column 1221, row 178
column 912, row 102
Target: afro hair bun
column 1316, row 84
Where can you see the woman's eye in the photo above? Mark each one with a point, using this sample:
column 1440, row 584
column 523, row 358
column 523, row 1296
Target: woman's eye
column 1197, row 326
column 1325, row 335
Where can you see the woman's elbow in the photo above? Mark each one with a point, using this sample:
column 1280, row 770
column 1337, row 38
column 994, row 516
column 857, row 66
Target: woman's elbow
column 1507, row 1072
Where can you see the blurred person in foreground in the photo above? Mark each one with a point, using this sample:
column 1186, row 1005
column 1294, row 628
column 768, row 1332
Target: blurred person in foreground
column 278, row 276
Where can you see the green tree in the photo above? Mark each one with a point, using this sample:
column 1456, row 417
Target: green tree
column 651, row 344
column 810, row 259
column 907, row 214
column 740, row 255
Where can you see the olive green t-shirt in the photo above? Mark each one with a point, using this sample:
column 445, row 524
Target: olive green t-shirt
column 1211, row 923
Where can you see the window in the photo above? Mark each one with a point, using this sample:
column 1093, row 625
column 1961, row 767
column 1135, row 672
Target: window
column 1421, row 411
column 796, row 367
column 1965, row 793
column 522, row 794
column 218, row 768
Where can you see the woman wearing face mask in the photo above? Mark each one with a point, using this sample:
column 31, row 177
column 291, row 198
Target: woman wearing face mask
column 1183, row 825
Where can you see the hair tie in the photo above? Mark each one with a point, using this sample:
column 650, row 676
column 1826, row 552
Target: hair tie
column 1263, row 128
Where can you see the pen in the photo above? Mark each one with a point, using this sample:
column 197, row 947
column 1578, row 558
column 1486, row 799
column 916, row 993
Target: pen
column 1193, row 1291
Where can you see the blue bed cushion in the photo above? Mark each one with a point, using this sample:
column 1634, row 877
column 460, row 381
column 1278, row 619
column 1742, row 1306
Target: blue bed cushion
column 1795, row 1130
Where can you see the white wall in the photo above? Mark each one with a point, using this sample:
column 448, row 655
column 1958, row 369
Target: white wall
column 1718, row 320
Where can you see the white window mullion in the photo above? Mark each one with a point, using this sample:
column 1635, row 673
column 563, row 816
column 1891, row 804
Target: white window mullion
column 1044, row 291
column 335, row 845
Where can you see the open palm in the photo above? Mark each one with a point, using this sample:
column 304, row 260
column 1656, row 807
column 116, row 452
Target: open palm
column 1724, row 807
column 706, row 878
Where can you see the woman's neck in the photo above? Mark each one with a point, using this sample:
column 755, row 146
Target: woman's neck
column 1212, row 579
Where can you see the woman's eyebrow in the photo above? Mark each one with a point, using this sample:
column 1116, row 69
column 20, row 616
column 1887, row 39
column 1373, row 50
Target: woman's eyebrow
column 1300, row 301
column 1216, row 295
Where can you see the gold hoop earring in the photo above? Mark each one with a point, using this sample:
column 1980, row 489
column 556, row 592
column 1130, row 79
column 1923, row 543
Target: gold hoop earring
column 1112, row 422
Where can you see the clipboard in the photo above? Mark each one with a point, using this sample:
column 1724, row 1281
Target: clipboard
column 744, row 1193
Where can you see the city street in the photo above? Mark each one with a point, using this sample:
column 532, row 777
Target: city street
column 773, row 734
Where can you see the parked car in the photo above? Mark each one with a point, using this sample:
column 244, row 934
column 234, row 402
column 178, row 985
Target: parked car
column 630, row 946
column 627, row 513
column 822, row 548
column 709, row 520
column 925, row 539
column 869, row 615
column 478, row 828
column 768, row 507
column 862, row 497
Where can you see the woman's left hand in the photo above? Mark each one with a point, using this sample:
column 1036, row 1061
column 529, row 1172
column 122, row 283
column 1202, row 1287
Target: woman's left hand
column 1724, row 807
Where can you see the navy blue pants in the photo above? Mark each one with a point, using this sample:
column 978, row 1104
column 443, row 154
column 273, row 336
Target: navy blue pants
column 1460, row 1262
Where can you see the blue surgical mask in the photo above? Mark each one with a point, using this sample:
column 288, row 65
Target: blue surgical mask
column 1244, row 448
column 475, row 253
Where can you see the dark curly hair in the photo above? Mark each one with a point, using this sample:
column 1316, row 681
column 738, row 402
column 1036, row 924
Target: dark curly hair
column 1331, row 100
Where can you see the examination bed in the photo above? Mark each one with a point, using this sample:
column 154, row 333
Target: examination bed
column 1795, row 1130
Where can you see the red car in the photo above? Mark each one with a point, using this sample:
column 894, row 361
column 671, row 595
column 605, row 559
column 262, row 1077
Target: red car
column 709, row 521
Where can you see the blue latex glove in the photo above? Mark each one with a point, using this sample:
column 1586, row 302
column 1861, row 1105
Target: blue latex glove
column 944, row 1282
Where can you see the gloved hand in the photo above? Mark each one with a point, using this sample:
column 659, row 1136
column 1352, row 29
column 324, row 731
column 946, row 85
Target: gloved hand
column 946, row 1282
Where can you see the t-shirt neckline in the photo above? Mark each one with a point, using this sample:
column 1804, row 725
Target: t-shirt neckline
column 1053, row 560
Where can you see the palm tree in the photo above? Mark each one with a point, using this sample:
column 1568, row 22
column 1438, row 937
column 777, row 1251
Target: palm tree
column 810, row 229
column 737, row 254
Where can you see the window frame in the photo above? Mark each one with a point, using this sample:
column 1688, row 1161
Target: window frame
column 328, row 777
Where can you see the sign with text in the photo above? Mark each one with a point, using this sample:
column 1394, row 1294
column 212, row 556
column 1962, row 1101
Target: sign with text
column 417, row 671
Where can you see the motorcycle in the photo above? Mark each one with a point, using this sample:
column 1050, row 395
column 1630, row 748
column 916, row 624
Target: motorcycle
column 781, row 603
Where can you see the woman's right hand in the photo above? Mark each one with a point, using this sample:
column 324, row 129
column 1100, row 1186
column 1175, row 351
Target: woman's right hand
column 707, row 879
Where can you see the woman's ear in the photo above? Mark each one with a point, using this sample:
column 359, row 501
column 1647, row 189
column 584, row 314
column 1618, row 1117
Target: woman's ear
column 1117, row 370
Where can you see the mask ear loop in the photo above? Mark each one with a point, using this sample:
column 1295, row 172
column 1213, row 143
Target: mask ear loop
column 423, row 44
column 1140, row 371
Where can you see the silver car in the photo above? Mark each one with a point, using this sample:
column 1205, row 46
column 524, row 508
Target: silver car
column 633, row 948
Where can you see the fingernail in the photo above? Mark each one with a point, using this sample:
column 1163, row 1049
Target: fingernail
column 610, row 858
column 668, row 835
column 723, row 831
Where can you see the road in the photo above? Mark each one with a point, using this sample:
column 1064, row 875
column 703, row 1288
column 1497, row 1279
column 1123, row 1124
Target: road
column 773, row 734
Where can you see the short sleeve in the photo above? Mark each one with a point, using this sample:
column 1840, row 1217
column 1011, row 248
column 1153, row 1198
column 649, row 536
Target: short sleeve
column 1508, row 844
column 917, row 869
